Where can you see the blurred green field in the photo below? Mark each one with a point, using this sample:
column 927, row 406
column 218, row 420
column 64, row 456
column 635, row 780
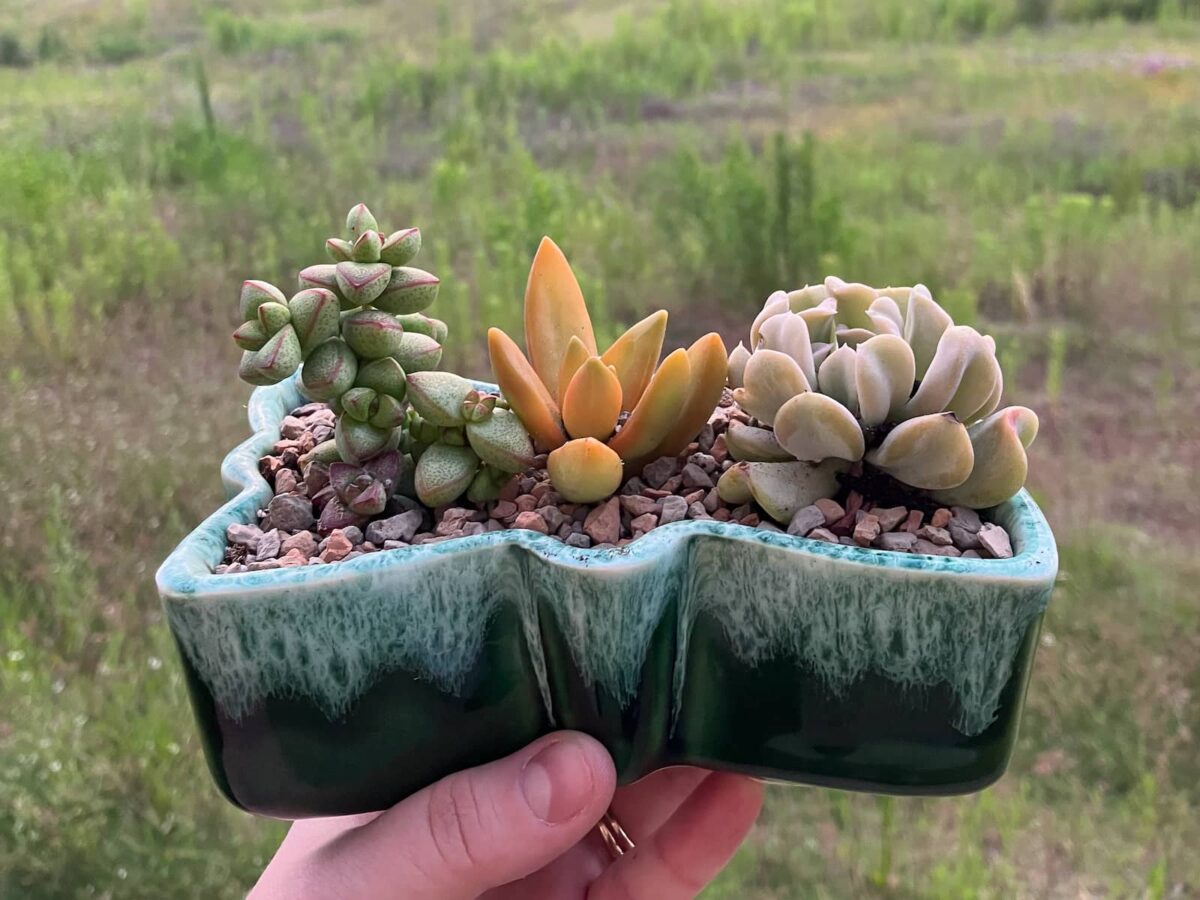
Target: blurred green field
column 1036, row 162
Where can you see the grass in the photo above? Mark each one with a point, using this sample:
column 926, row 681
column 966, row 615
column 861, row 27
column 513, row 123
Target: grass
column 1036, row 162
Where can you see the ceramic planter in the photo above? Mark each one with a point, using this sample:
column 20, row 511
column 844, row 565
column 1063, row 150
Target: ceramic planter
column 336, row 689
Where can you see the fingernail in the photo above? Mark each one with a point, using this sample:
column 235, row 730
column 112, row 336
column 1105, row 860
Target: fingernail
column 557, row 782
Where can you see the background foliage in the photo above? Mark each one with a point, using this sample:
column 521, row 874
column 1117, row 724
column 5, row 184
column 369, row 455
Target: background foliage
column 1036, row 162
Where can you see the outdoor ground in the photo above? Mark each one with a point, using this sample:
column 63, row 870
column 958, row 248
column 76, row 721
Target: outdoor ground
column 1036, row 162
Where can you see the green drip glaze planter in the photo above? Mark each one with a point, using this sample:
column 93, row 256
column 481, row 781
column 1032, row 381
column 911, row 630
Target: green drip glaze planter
column 337, row 689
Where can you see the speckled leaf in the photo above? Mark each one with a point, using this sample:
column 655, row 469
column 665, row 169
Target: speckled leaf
column 401, row 247
column 418, row 352
column 438, row 397
column 315, row 316
column 408, row 291
column 256, row 293
column 372, row 333
column 444, row 473
column 360, row 283
column 501, row 441
column 384, row 376
column 329, row 371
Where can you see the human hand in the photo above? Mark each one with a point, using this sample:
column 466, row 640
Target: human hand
column 524, row 827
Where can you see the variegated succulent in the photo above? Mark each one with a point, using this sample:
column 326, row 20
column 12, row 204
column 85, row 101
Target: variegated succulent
column 464, row 441
column 601, row 416
column 358, row 328
column 842, row 372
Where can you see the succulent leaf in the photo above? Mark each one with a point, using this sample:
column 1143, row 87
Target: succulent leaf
column 250, row 335
column 771, row 379
column 339, row 250
column 930, row 452
column 372, row 333
column 256, row 293
column 776, row 304
column 315, row 316
column 525, row 392
column 250, row 373
column 359, row 441
column 478, row 406
column 438, row 397
column 838, row 377
column 324, row 275
column 359, row 402
column 329, row 371
column 821, row 320
column 749, row 444
column 359, row 219
column 384, row 376
column 584, row 470
column 885, row 316
column 554, row 311
column 272, row 316
column 734, row 484
column 961, row 370
column 853, row 300
column 444, row 472
column 999, row 442
column 807, row 297
column 852, row 337
column 360, row 283
column 789, row 334
column 884, row 372
column 501, row 441
column 592, row 401
column 657, row 411
column 924, row 324
column 418, row 352
column 401, row 247
column 366, row 248
column 408, row 291
column 813, row 427
column 737, row 365
column 419, row 323
column 709, row 368
column 487, row 484
column 280, row 356
column 783, row 488
column 635, row 354
column 388, row 412
column 576, row 355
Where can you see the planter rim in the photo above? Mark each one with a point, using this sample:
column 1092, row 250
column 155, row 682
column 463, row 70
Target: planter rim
column 187, row 574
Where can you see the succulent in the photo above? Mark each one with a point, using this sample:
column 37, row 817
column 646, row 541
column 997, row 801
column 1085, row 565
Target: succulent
column 600, row 416
column 355, row 493
column 357, row 327
column 463, row 440
column 840, row 373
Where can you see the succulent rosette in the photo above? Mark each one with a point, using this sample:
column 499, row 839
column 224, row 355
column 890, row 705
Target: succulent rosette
column 842, row 372
column 600, row 416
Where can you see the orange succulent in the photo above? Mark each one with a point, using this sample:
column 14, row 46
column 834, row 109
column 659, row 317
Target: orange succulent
column 571, row 397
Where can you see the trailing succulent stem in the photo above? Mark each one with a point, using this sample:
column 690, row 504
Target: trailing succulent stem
column 840, row 373
column 600, row 416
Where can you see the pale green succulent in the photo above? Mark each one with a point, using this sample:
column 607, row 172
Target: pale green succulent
column 357, row 327
column 844, row 372
column 464, row 441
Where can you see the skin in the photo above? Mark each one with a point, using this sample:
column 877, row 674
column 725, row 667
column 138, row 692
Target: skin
column 524, row 827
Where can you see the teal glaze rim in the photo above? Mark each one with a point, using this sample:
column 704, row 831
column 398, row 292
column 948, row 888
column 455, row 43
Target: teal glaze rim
column 186, row 574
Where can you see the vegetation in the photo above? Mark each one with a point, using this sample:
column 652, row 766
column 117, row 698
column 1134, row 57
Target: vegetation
column 1034, row 162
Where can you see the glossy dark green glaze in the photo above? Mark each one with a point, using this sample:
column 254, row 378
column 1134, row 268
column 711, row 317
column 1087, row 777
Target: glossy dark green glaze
column 287, row 758
column 634, row 734
column 780, row 721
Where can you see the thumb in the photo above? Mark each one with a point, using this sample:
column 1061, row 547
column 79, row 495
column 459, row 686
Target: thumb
column 483, row 827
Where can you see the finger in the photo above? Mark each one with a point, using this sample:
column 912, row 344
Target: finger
column 688, row 851
column 483, row 827
column 645, row 805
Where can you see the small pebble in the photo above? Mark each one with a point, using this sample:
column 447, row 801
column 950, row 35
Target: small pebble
column 941, row 518
column 401, row 527
column 290, row 512
column 552, row 516
column 293, row 558
column 504, row 509
column 967, row 518
column 394, row 545
column 890, row 518
column 913, row 522
column 823, row 534
column 866, row 530
column 674, row 509
column 603, row 524
column 696, row 510
column 896, row 541
column 637, row 505
column 806, row 519
column 962, row 537
column 995, row 541
column 353, row 534
column 971, row 554
column 269, row 545
column 831, row 509
column 766, row 525
column 245, row 535
column 337, row 546
column 579, row 540
column 644, row 523
column 531, row 521
column 527, row 503
column 696, row 477
column 931, row 549
column 657, row 473
column 286, row 481
column 935, row 535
